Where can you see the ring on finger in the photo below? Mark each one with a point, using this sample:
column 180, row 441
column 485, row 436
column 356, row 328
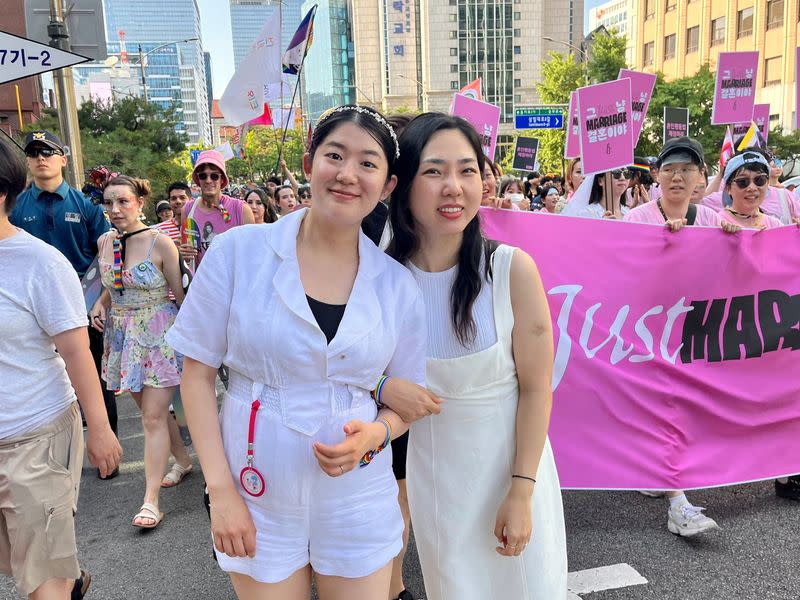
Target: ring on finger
column 341, row 468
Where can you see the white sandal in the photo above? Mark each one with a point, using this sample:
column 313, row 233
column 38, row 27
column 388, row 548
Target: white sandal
column 175, row 475
column 148, row 511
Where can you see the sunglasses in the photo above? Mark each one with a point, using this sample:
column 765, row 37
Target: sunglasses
column 619, row 174
column 777, row 162
column 211, row 176
column 305, row 195
column 744, row 182
column 46, row 152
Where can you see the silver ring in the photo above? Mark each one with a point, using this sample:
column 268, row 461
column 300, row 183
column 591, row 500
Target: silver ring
column 512, row 546
column 341, row 468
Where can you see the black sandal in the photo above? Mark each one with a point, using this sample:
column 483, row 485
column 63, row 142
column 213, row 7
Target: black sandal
column 81, row 586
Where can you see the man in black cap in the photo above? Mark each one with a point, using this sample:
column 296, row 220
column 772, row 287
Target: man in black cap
column 65, row 218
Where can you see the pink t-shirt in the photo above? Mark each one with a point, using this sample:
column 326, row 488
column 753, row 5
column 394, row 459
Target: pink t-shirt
column 772, row 205
column 767, row 222
column 212, row 223
column 649, row 213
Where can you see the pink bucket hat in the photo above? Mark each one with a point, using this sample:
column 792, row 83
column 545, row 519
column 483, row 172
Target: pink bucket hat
column 210, row 157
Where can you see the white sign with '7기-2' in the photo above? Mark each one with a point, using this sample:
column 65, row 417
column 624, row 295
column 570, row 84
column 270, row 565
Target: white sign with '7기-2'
column 21, row 57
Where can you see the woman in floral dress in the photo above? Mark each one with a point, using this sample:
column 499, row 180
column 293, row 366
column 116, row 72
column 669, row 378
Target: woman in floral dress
column 139, row 266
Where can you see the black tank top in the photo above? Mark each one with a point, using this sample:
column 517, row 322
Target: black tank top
column 328, row 316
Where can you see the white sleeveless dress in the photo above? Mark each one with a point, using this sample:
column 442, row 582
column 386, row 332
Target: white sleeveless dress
column 459, row 471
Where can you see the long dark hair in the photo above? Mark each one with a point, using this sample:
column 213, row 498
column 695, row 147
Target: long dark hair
column 405, row 239
column 598, row 193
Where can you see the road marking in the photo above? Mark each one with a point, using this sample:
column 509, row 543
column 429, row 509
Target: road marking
column 602, row 578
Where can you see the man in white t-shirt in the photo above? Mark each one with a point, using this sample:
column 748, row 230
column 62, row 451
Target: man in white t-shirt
column 44, row 361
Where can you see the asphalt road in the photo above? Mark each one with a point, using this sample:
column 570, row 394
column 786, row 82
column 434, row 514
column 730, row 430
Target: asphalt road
column 754, row 556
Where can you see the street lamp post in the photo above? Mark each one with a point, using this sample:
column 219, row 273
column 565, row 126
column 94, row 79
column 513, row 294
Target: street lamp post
column 143, row 56
column 581, row 52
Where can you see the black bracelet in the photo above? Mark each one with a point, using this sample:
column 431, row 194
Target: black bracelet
column 523, row 477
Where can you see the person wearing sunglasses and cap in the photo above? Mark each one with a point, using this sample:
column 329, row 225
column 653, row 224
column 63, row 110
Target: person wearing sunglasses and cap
column 778, row 201
column 62, row 216
column 214, row 212
column 680, row 167
column 589, row 201
column 746, row 178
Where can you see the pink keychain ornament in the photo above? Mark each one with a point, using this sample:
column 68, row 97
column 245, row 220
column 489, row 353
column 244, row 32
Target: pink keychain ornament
column 251, row 479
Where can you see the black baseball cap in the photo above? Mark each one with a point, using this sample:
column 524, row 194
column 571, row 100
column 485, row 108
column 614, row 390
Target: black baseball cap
column 162, row 205
column 44, row 138
column 689, row 147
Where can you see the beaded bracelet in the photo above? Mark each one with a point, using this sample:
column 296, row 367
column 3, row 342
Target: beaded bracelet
column 367, row 458
column 376, row 393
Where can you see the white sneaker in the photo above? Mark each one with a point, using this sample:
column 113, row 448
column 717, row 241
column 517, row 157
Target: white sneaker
column 688, row 520
column 652, row 493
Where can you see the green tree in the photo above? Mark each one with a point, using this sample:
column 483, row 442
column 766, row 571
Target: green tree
column 606, row 56
column 695, row 93
column 787, row 147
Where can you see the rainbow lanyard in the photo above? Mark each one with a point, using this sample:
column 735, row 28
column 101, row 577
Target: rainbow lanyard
column 118, row 286
column 251, row 479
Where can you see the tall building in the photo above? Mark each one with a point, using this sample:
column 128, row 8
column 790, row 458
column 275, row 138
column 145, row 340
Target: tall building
column 209, row 81
column 328, row 69
column 611, row 15
column 174, row 72
column 676, row 37
column 249, row 16
column 424, row 51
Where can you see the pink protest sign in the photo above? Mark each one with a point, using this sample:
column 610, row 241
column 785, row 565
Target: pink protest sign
column 642, row 85
column 485, row 118
column 606, row 132
column 735, row 88
column 761, row 119
column 572, row 149
column 797, row 88
column 665, row 377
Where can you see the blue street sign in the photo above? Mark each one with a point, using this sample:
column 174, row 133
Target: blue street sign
column 549, row 121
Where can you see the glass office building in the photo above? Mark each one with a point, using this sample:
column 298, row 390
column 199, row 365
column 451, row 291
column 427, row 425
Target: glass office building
column 174, row 73
column 249, row 16
column 328, row 70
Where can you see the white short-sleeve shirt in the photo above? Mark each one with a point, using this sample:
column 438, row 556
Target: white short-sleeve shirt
column 40, row 297
column 247, row 308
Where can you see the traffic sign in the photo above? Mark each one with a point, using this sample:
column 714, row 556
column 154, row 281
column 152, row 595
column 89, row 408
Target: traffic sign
column 539, row 121
column 21, row 57
column 85, row 22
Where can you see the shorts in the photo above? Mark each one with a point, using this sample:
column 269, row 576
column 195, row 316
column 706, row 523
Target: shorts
column 348, row 526
column 399, row 453
column 39, row 477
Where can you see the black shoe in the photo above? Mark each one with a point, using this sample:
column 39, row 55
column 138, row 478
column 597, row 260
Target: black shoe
column 81, row 586
column 789, row 490
column 111, row 475
column 405, row 595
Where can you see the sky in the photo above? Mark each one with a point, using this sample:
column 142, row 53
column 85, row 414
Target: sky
column 215, row 23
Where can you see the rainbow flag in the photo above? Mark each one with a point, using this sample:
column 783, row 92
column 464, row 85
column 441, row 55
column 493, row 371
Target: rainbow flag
column 190, row 233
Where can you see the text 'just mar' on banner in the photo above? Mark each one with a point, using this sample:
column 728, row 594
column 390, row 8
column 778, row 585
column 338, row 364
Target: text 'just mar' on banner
column 676, row 354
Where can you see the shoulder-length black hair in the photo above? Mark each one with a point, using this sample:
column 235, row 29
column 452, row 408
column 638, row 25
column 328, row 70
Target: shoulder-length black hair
column 405, row 239
column 597, row 193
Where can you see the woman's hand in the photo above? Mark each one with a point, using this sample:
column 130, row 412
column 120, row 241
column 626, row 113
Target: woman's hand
column 409, row 400
column 231, row 523
column 609, row 215
column 524, row 204
column 97, row 316
column 729, row 227
column 675, row 225
column 360, row 438
column 514, row 524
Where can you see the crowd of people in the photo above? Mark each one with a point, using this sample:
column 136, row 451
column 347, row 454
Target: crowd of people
column 359, row 312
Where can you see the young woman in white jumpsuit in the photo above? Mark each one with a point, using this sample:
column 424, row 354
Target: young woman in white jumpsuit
column 307, row 313
column 482, row 484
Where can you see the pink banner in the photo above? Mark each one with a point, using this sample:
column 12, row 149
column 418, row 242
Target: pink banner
column 761, row 119
column 572, row 149
column 735, row 88
column 671, row 372
column 484, row 117
column 642, row 85
column 606, row 133
column 797, row 88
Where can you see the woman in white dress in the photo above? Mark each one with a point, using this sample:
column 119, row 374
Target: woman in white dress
column 482, row 484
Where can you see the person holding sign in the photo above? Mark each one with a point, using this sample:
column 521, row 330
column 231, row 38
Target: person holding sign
column 746, row 179
column 482, row 483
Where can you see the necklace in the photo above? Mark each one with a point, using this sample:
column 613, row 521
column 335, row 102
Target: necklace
column 661, row 209
column 757, row 218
